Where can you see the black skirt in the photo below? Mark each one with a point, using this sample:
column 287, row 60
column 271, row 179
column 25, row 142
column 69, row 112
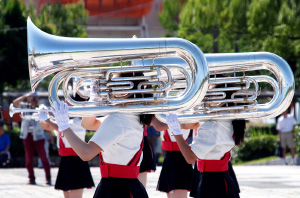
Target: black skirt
column 176, row 173
column 196, row 179
column 232, row 175
column 215, row 185
column 73, row 173
column 120, row 188
column 148, row 162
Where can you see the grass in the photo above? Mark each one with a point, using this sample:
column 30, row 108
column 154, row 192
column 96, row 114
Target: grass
column 262, row 160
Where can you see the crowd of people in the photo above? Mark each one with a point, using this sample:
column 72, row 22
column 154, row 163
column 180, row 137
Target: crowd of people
column 125, row 144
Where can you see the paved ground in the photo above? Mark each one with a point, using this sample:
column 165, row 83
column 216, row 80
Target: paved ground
column 255, row 182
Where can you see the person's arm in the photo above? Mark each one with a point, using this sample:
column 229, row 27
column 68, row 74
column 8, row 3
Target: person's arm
column 160, row 126
column 190, row 125
column 86, row 151
column 16, row 102
column 90, row 123
column 185, row 149
column 49, row 125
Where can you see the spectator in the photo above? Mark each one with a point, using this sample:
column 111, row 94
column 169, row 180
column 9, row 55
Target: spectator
column 4, row 146
column 33, row 137
column 48, row 140
column 285, row 127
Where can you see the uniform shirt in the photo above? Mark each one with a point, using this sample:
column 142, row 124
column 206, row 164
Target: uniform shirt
column 120, row 136
column 75, row 125
column 30, row 125
column 285, row 125
column 213, row 140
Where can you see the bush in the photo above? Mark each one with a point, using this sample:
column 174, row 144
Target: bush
column 255, row 148
column 254, row 131
column 17, row 146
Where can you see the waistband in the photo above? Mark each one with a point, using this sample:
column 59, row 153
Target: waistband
column 119, row 171
column 170, row 146
column 66, row 152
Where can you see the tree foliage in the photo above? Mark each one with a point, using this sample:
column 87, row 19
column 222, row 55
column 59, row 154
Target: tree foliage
column 243, row 26
column 64, row 20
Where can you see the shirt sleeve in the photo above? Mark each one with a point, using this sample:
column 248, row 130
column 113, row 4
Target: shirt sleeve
column 109, row 133
column 212, row 141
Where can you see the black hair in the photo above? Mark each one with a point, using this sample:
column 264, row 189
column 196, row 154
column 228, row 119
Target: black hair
column 145, row 119
column 239, row 125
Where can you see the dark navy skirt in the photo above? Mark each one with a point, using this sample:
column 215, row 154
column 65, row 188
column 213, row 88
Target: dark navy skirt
column 232, row 175
column 176, row 173
column 148, row 163
column 196, row 180
column 214, row 184
column 73, row 173
column 120, row 188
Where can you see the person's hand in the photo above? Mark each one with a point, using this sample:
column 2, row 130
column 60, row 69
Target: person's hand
column 94, row 92
column 60, row 112
column 42, row 115
column 173, row 123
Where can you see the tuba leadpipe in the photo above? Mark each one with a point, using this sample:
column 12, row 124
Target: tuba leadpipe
column 88, row 58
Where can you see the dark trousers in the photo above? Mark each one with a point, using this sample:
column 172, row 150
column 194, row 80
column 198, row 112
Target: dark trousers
column 30, row 146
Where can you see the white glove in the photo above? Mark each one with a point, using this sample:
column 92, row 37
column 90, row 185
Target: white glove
column 41, row 116
column 173, row 124
column 60, row 112
column 94, row 92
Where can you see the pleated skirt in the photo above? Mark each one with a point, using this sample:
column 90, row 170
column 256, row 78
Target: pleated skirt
column 196, row 179
column 73, row 173
column 176, row 173
column 148, row 163
column 120, row 188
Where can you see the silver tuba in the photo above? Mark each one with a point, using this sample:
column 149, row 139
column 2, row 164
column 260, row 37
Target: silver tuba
column 238, row 69
column 176, row 73
column 94, row 59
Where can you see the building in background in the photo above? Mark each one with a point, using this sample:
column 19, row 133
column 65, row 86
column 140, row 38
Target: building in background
column 119, row 18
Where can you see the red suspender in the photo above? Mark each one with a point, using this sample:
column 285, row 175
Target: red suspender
column 131, row 170
column 167, row 144
column 62, row 151
column 145, row 131
column 214, row 165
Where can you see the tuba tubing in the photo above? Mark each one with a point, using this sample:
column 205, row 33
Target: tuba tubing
column 49, row 54
column 283, row 86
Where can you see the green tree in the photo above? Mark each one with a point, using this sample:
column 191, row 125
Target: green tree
column 244, row 26
column 13, row 53
column 61, row 19
column 65, row 20
column 169, row 17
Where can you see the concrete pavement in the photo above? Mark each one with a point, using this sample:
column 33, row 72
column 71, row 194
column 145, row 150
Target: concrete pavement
column 255, row 182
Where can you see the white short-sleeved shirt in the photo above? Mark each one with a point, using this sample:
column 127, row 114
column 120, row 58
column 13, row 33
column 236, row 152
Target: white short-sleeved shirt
column 213, row 140
column 285, row 125
column 120, row 136
column 75, row 125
